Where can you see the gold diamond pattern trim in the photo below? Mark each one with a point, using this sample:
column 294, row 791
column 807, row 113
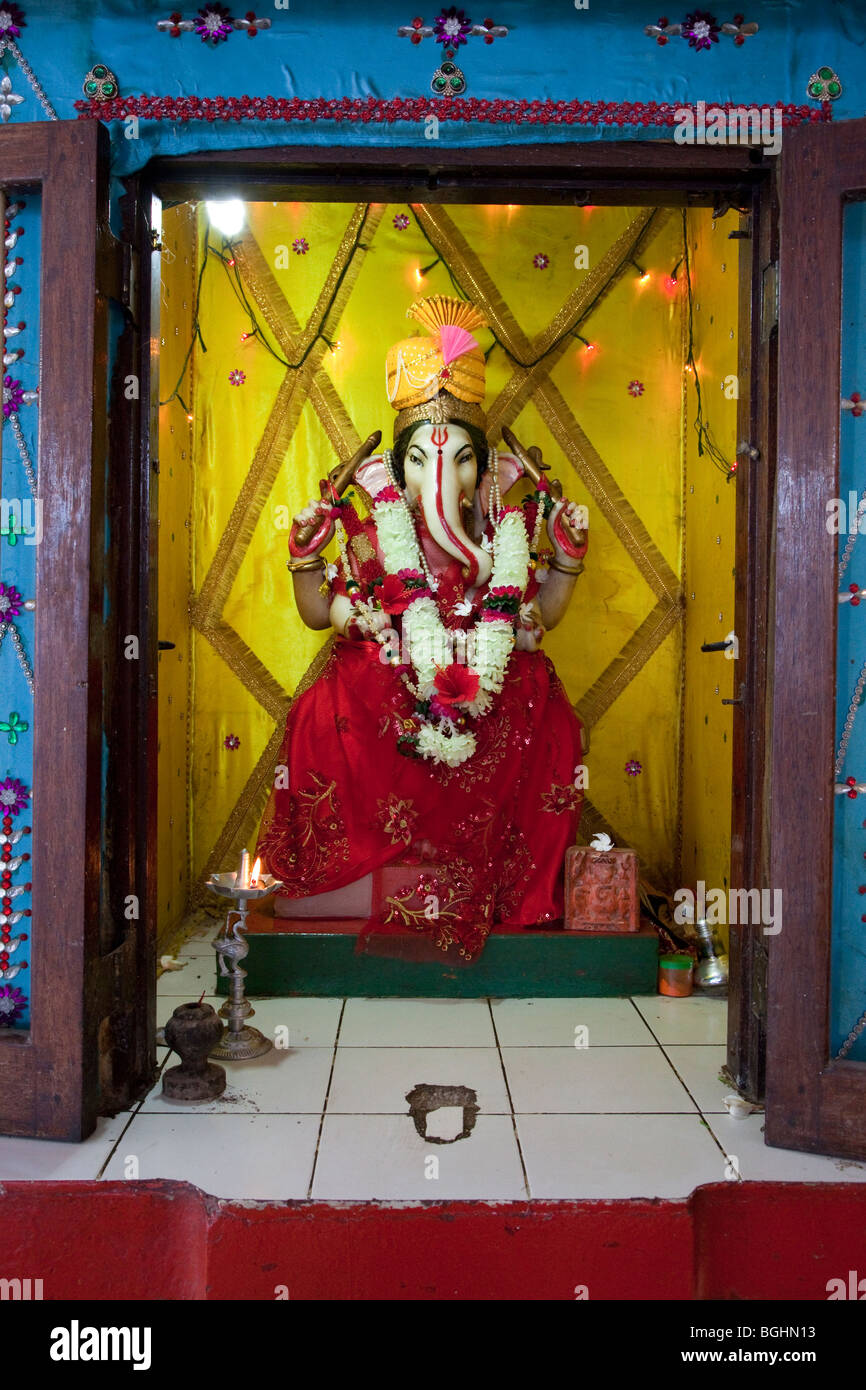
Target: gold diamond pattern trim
column 310, row 382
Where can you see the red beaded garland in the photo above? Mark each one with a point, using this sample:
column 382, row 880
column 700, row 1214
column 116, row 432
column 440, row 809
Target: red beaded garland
column 498, row 111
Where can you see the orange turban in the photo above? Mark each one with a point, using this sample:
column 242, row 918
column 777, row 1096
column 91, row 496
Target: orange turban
column 418, row 369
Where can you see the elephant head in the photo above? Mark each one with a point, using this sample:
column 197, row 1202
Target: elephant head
column 440, row 466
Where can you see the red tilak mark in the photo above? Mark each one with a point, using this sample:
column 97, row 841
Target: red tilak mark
column 471, row 562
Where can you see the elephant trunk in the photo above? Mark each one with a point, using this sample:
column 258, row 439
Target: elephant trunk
column 440, row 499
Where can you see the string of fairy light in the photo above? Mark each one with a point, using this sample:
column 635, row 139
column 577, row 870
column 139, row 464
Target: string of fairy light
column 706, row 443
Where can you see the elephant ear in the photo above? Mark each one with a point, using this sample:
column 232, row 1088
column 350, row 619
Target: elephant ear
column 371, row 476
column 510, row 470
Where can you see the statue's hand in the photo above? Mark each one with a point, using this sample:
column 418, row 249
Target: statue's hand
column 308, row 522
column 566, row 527
column 530, row 628
column 532, row 462
column 314, row 526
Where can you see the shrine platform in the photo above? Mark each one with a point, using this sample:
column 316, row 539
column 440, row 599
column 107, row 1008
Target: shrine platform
column 292, row 956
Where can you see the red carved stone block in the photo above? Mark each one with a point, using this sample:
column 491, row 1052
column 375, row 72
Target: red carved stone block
column 601, row 890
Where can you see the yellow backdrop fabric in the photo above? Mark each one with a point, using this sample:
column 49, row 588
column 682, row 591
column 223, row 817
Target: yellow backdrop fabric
column 614, row 422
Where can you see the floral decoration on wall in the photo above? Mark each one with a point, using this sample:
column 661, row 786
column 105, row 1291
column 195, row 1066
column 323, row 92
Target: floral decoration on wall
column 452, row 28
column 213, row 24
column 701, row 30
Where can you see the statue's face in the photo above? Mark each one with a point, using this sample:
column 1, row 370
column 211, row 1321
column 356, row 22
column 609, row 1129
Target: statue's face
column 458, row 458
column 441, row 469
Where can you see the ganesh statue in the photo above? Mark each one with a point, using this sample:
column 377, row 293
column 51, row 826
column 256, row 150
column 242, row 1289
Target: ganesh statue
column 437, row 736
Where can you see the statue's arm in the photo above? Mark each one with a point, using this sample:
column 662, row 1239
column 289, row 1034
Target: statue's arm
column 555, row 594
column 313, row 606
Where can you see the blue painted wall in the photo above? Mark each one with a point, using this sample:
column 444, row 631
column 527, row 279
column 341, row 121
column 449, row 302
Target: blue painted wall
column 18, row 569
column 848, row 972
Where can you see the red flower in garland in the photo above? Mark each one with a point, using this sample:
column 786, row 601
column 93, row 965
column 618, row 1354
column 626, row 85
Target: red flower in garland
column 393, row 594
column 456, row 685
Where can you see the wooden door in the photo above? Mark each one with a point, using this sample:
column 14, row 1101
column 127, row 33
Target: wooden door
column 815, row 1101
column 86, row 1012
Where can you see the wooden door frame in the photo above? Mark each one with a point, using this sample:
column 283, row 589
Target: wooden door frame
column 49, row 1073
column 622, row 173
column 812, row 1099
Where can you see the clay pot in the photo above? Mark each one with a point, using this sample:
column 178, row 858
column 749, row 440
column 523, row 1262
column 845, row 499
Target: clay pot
column 191, row 1032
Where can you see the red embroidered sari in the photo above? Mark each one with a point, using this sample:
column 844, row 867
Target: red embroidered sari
column 488, row 837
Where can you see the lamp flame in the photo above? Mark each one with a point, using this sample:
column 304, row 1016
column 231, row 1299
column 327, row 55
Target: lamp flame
column 254, row 876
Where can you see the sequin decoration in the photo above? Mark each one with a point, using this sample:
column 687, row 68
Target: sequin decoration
column 633, row 768
column 13, row 726
column 540, row 261
column 14, row 796
column 824, row 85
column 213, row 24
column 11, row 21
column 12, row 1005
column 448, row 80
column 701, row 30
column 100, row 84
column 635, row 388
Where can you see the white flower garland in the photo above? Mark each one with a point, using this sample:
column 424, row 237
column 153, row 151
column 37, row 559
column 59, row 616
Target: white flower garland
column 429, row 641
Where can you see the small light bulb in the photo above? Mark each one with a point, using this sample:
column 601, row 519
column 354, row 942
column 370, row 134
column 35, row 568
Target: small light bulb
column 189, row 414
column 227, row 215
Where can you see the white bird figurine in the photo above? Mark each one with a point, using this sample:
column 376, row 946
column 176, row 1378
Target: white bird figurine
column 601, row 841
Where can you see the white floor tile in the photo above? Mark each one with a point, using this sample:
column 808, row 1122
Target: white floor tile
column 617, row 1155
column 554, row 1023
column 603, row 1080
column 743, row 1140
column 290, row 1081
column 375, row 1080
column 699, row 1068
column 43, row 1160
column 417, row 1023
column 382, row 1156
column 264, row 1157
column 202, row 943
column 698, row 1019
column 185, row 986
column 310, row 1022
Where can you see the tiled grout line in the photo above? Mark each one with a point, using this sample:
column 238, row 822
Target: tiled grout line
column 510, row 1101
column 704, row 1118
column 133, row 1116
column 644, row 1021
column 325, row 1104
